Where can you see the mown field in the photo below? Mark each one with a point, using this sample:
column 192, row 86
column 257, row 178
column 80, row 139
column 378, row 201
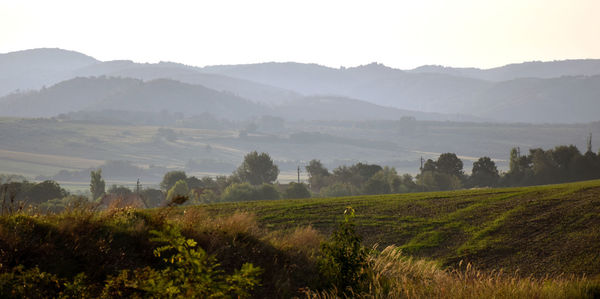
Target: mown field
column 543, row 230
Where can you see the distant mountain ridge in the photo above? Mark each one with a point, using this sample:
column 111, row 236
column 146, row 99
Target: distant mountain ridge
column 32, row 69
column 166, row 95
column 557, row 91
column 532, row 69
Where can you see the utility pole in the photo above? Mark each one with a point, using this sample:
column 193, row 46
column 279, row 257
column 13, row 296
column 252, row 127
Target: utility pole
column 421, row 169
column 298, row 174
column 138, row 186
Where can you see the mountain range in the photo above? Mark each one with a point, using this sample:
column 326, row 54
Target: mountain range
column 48, row 82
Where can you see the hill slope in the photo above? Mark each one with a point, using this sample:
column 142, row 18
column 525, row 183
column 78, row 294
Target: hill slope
column 374, row 83
column 532, row 69
column 540, row 92
column 511, row 96
column 31, row 69
column 159, row 95
column 538, row 230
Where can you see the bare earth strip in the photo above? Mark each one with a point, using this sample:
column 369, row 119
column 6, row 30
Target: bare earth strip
column 53, row 160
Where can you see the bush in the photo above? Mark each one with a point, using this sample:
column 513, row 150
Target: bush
column 247, row 192
column 296, row 190
column 33, row 283
column 343, row 261
column 267, row 192
column 190, row 272
column 239, row 192
column 339, row 189
column 179, row 189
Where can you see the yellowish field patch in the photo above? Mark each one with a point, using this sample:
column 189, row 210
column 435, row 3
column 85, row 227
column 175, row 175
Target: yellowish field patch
column 51, row 160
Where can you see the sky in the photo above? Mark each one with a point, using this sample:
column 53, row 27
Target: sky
column 400, row 34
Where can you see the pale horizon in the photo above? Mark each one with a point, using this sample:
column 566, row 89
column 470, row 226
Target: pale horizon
column 402, row 35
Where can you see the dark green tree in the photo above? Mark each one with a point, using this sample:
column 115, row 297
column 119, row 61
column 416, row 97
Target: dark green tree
column 97, row 184
column 316, row 168
column 377, row 184
column 170, row 178
column 317, row 175
column 119, row 191
column 257, row 169
column 449, row 163
column 484, row 173
column 429, row 165
column 44, row 191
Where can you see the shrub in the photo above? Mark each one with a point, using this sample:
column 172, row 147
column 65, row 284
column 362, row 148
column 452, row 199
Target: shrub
column 179, row 189
column 343, row 260
column 267, row 192
column 33, row 283
column 338, row 189
column 296, row 190
column 239, row 192
column 190, row 272
column 247, row 192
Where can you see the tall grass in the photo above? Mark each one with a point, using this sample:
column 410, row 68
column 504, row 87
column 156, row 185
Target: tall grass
column 397, row 276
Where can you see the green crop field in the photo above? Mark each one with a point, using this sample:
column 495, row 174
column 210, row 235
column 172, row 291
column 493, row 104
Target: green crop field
column 529, row 242
column 543, row 230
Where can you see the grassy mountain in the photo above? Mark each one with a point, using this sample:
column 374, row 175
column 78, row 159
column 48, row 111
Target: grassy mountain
column 247, row 89
column 127, row 94
column 67, row 96
column 341, row 108
column 173, row 96
column 155, row 96
column 562, row 99
column 31, row 69
column 374, row 83
column 542, row 91
column 533, row 69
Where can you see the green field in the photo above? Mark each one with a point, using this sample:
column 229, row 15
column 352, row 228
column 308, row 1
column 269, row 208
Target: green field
column 529, row 242
column 544, row 230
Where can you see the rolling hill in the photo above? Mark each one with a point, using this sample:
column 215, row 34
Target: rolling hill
column 445, row 90
column 32, row 69
column 532, row 69
column 538, row 92
column 541, row 230
column 158, row 95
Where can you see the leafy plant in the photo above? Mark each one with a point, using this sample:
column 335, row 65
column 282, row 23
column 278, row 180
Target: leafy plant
column 343, row 260
column 190, row 272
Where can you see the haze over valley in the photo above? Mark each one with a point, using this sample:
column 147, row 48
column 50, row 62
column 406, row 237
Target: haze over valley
column 204, row 119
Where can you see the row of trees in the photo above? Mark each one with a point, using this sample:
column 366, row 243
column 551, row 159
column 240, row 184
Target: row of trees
column 561, row 164
column 254, row 179
column 557, row 165
column 357, row 179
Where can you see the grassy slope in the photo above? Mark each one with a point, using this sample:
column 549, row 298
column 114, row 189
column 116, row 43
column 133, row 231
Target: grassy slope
column 537, row 230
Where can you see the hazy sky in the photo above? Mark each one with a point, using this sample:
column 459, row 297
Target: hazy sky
column 402, row 34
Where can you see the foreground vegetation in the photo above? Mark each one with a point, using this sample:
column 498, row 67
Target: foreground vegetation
column 537, row 230
column 539, row 242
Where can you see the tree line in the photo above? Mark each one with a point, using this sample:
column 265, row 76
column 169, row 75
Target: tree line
column 255, row 179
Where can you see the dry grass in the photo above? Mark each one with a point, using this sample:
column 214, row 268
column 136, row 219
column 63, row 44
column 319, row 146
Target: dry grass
column 236, row 223
column 397, row 276
column 304, row 239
